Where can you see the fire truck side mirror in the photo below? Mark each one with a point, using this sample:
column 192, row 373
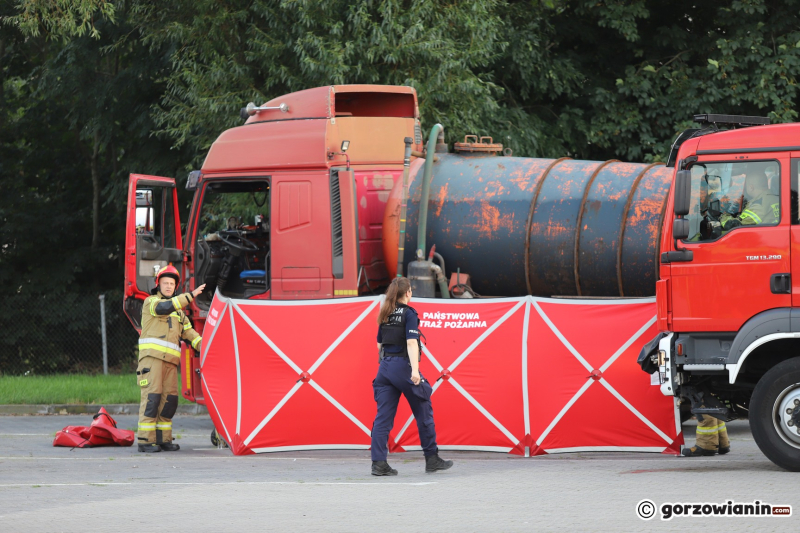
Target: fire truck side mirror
column 191, row 181
column 680, row 228
column 683, row 189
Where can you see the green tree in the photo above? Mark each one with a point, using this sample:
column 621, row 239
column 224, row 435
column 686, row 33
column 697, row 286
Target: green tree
column 75, row 118
column 665, row 62
column 228, row 54
column 93, row 90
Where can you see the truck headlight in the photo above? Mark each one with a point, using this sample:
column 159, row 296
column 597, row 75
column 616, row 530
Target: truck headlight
column 662, row 356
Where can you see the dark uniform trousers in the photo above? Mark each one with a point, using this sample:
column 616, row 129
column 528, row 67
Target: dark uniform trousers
column 394, row 379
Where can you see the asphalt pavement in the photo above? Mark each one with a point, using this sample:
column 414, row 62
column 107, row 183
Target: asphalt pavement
column 203, row 488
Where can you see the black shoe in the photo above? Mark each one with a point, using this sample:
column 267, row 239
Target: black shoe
column 382, row 468
column 170, row 446
column 434, row 463
column 149, row 448
column 697, row 451
column 723, row 450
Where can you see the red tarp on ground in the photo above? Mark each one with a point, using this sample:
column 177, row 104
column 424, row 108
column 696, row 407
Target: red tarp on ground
column 520, row 375
column 102, row 432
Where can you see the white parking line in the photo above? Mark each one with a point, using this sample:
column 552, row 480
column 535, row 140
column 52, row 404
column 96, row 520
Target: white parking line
column 421, row 483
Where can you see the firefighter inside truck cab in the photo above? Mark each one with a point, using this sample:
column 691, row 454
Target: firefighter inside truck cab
column 761, row 206
column 728, row 195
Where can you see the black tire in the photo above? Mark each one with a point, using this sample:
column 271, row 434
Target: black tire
column 778, row 441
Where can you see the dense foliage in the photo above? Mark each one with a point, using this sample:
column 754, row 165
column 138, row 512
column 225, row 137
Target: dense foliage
column 93, row 90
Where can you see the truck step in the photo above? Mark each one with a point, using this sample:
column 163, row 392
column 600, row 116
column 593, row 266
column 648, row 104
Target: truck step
column 716, row 412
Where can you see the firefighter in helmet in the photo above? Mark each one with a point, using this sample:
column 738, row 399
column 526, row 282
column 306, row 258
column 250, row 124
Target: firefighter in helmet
column 164, row 324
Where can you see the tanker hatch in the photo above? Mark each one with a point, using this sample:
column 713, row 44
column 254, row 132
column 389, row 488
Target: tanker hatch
column 472, row 145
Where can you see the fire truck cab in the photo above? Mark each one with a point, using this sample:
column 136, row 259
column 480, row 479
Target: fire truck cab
column 289, row 205
column 729, row 291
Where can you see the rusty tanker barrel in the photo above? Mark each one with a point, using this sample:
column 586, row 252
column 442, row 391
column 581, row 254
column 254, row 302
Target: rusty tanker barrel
column 546, row 227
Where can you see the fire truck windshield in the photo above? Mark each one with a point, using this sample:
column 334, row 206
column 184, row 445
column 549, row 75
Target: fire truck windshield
column 726, row 196
column 230, row 206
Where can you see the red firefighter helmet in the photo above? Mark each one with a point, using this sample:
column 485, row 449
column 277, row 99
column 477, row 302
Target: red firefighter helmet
column 168, row 271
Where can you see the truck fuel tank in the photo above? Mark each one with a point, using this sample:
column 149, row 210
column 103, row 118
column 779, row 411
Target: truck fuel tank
column 544, row 227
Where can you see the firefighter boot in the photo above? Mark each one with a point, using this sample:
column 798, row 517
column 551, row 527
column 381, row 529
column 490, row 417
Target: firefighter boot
column 382, row 468
column 434, row 463
column 697, row 451
column 170, row 446
column 150, row 447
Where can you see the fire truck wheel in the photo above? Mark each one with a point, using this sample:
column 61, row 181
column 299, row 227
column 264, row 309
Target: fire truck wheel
column 775, row 414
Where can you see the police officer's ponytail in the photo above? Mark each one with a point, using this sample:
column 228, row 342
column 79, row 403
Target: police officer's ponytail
column 398, row 288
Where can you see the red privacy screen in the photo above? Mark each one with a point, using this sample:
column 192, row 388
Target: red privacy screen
column 527, row 376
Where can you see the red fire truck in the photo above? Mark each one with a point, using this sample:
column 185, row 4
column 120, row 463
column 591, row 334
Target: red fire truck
column 730, row 278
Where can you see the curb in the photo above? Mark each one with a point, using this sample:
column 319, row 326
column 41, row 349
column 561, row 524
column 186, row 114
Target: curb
column 83, row 409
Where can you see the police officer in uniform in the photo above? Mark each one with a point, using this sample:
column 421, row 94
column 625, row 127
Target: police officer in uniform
column 164, row 324
column 398, row 373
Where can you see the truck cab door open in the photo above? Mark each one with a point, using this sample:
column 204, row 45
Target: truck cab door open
column 152, row 238
column 230, row 235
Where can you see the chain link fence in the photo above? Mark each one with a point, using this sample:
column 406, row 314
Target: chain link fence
column 66, row 336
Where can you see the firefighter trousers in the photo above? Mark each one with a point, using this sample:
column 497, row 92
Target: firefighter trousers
column 712, row 434
column 158, row 381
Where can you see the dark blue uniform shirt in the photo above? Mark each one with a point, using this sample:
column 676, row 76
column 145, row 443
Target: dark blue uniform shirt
column 412, row 331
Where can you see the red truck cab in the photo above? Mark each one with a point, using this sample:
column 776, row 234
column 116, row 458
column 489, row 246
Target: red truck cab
column 729, row 291
column 289, row 205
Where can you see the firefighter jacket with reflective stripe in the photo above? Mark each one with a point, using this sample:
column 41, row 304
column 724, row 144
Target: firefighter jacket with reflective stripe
column 765, row 208
column 164, row 324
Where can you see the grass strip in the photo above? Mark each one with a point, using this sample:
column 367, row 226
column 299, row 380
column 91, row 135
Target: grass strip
column 71, row 389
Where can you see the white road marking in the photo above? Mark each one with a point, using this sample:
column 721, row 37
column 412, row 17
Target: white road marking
column 421, row 483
